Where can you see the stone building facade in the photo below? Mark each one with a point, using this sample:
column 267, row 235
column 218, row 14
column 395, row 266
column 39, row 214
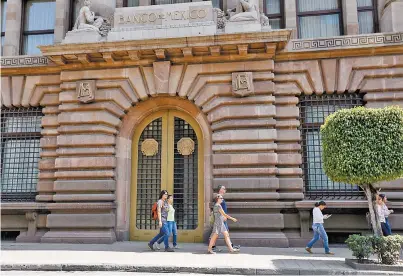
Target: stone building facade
column 91, row 131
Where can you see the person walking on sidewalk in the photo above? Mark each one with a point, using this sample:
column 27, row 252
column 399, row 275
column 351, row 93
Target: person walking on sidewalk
column 318, row 229
column 386, row 213
column 381, row 215
column 163, row 208
column 221, row 190
column 219, row 227
column 171, row 224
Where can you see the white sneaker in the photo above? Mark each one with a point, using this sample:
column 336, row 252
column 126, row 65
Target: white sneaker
column 176, row 247
column 156, row 245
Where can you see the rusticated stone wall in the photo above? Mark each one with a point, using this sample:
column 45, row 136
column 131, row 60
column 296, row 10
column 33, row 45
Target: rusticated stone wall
column 252, row 144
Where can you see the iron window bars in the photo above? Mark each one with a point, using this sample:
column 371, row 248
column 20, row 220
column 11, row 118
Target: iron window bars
column 313, row 111
column 20, row 148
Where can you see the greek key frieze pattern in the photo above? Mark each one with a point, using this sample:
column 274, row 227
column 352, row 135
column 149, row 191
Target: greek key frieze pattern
column 347, row 42
column 24, row 61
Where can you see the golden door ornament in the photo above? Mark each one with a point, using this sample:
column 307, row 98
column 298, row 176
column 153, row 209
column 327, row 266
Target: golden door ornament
column 149, row 147
column 186, row 146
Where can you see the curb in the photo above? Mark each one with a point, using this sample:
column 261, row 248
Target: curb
column 196, row 270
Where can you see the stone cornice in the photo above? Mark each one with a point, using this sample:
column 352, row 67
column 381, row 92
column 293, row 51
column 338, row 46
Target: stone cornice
column 205, row 49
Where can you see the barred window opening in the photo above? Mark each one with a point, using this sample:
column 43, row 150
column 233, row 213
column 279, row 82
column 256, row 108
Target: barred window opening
column 313, row 111
column 20, row 148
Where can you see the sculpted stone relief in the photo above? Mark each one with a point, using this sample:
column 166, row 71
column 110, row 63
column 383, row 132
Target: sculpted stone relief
column 248, row 11
column 87, row 20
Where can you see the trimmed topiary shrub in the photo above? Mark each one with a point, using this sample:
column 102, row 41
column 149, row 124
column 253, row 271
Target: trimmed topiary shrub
column 361, row 246
column 364, row 146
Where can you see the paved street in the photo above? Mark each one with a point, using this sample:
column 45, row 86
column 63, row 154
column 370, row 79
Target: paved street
column 191, row 258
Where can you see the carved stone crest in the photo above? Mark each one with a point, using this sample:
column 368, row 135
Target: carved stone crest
column 149, row 147
column 242, row 83
column 186, row 146
column 86, row 91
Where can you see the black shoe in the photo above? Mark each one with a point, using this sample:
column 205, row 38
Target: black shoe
column 236, row 246
column 169, row 250
column 151, row 246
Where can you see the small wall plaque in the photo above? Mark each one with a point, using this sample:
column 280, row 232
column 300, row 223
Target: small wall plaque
column 86, row 91
column 242, row 84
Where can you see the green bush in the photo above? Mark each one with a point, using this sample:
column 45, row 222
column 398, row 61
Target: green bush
column 363, row 145
column 361, row 246
column 388, row 248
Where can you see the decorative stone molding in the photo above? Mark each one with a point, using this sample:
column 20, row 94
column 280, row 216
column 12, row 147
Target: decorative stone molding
column 186, row 146
column 86, row 91
column 24, row 61
column 242, row 83
column 149, row 147
column 346, row 42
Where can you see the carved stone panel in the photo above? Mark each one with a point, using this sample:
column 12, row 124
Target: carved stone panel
column 149, row 147
column 242, row 84
column 86, row 91
column 186, row 146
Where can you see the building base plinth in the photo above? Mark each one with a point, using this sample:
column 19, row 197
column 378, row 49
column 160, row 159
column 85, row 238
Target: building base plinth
column 242, row 27
column 82, row 36
column 25, row 237
column 82, row 236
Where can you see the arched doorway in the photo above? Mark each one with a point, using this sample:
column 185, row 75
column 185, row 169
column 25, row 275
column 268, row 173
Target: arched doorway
column 167, row 153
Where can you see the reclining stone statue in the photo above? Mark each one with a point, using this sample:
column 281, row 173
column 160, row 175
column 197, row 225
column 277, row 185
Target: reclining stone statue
column 87, row 20
column 249, row 12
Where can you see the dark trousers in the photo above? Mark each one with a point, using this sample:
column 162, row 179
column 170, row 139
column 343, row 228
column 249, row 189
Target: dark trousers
column 385, row 230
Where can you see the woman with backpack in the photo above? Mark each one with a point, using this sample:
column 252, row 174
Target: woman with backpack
column 318, row 229
column 162, row 210
column 219, row 226
column 171, row 224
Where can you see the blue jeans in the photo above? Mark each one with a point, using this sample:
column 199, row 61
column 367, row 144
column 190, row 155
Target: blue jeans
column 388, row 227
column 172, row 230
column 385, row 228
column 319, row 232
column 164, row 234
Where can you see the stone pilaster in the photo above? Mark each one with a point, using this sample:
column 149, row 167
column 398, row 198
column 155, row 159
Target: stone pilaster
column 290, row 13
column 350, row 17
column 63, row 15
column 13, row 28
column 391, row 16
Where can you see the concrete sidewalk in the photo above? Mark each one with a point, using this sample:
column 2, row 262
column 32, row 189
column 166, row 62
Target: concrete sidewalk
column 136, row 257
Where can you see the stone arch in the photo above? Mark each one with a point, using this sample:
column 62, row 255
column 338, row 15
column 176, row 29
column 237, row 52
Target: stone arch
column 131, row 120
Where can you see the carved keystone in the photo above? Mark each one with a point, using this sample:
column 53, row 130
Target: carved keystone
column 242, row 84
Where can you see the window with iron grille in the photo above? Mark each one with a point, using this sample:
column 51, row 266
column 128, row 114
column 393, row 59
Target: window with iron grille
column 313, row 111
column 20, row 148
